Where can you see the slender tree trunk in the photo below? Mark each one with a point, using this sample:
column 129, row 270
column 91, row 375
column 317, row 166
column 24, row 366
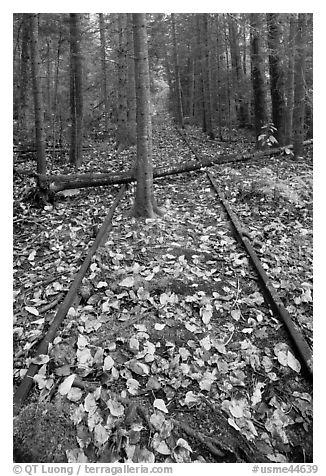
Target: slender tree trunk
column 228, row 89
column 131, row 93
column 144, row 203
column 257, row 71
column 241, row 105
column 122, row 132
column 103, row 70
column 76, row 94
column 290, row 80
column 179, row 108
column 37, row 92
column 48, row 79
column 299, row 88
column 24, row 80
column 198, row 80
column 56, row 86
column 219, row 78
column 191, row 86
column 276, row 76
column 206, row 68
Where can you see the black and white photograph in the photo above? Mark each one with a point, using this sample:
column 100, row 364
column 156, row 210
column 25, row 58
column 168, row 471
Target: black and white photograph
column 162, row 241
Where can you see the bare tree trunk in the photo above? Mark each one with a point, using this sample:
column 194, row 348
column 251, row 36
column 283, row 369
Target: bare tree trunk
column 122, row 132
column 131, row 93
column 103, row 69
column 206, row 68
column 56, row 86
column 76, row 94
column 241, row 106
column 198, row 80
column 290, row 80
column 37, row 92
column 191, row 86
column 257, row 71
column 144, row 203
column 24, row 80
column 219, row 79
column 276, row 75
column 228, row 89
column 48, row 80
column 299, row 88
column 179, row 108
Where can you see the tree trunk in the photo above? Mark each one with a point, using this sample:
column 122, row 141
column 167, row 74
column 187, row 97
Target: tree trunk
column 191, row 87
column 55, row 94
column 144, row 203
column 276, row 76
column 76, row 93
column 237, row 70
column 103, row 70
column 289, row 87
column 206, row 68
column 24, row 80
column 37, row 92
column 178, row 99
column 220, row 108
column 48, row 80
column 299, row 88
column 65, row 182
column 131, row 92
column 228, row 89
column 257, row 72
column 198, row 80
column 122, row 131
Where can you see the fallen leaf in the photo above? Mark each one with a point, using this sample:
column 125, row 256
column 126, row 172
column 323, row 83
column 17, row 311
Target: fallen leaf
column 66, row 385
column 75, row 394
column 116, row 408
column 40, row 359
column 160, row 405
column 32, row 310
column 127, row 282
column 108, row 363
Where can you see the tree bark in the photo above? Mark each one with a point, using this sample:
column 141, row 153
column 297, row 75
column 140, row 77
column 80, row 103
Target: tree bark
column 206, row 68
column 131, row 87
column 24, row 80
column 57, row 183
column 103, row 70
column 76, row 93
column 276, row 76
column 238, row 76
column 122, row 131
column 37, row 92
column 178, row 98
column 289, row 87
column 257, row 72
column 144, row 202
column 299, row 88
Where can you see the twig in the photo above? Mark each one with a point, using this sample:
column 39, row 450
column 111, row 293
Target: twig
column 210, row 443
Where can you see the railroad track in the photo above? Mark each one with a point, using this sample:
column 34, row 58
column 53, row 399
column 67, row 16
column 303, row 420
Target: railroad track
column 300, row 346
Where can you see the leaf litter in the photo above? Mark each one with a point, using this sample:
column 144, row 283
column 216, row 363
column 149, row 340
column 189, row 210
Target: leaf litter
column 170, row 353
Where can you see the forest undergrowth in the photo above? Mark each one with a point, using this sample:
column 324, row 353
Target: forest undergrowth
column 170, row 353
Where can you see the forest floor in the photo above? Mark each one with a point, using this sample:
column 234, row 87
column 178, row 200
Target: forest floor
column 170, row 353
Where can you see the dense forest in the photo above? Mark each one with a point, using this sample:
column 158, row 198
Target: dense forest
column 148, row 335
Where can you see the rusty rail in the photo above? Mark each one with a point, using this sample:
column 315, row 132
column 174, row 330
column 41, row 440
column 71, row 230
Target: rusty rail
column 27, row 382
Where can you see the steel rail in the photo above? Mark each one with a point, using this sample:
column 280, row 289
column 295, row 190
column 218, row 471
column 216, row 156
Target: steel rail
column 300, row 344
column 303, row 350
column 27, row 382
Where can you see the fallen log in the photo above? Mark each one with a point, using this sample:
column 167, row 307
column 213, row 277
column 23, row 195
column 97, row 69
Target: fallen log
column 57, row 183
